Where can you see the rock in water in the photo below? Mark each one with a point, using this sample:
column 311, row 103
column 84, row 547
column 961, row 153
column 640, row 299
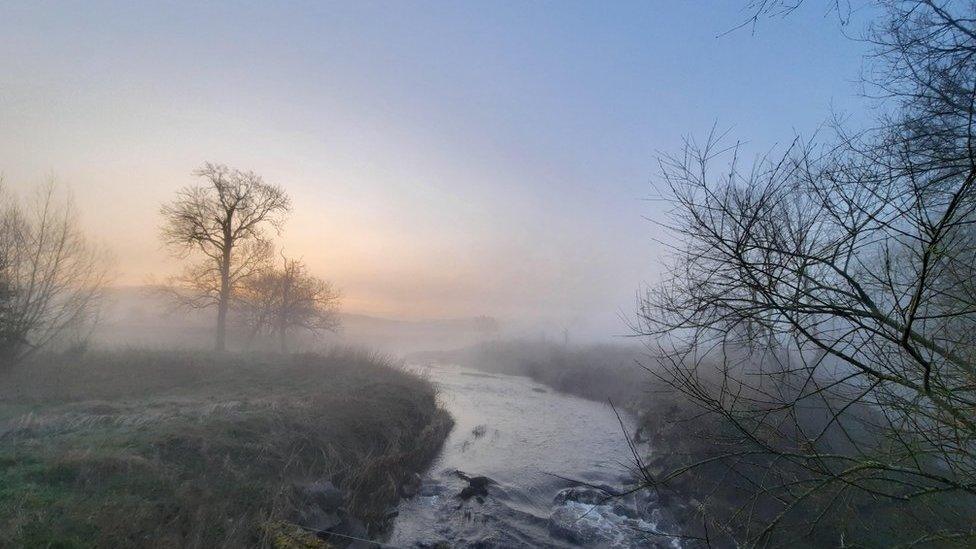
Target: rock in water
column 588, row 516
column 585, row 494
column 477, row 486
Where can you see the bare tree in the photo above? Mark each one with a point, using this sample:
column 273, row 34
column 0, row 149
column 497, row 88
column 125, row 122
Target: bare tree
column 487, row 326
column 7, row 237
column 820, row 303
column 223, row 221
column 758, row 10
column 51, row 277
column 279, row 300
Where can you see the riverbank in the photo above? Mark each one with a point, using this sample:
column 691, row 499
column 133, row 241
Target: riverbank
column 705, row 494
column 173, row 449
column 597, row 372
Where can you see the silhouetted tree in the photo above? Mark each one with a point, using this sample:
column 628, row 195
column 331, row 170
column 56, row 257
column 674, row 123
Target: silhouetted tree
column 487, row 326
column 223, row 220
column 281, row 299
column 50, row 276
column 7, row 238
column 821, row 302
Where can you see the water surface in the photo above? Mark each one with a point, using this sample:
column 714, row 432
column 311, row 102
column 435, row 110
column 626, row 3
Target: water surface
column 529, row 440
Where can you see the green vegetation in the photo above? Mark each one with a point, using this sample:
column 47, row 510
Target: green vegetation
column 169, row 449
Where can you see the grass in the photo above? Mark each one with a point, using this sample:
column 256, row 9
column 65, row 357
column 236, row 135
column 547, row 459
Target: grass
column 173, row 449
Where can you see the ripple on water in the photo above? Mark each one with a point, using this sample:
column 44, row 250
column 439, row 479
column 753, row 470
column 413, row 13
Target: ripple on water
column 528, row 442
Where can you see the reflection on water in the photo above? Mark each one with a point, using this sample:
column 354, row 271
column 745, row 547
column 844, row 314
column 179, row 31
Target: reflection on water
column 529, row 441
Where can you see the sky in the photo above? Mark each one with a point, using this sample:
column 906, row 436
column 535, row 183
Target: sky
column 444, row 159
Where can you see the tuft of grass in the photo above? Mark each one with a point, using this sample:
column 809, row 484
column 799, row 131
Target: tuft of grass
column 174, row 449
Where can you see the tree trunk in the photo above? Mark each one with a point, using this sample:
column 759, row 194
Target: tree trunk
column 284, row 309
column 223, row 302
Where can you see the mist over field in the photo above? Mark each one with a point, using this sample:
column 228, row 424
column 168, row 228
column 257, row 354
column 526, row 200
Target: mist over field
column 138, row 317
column 493, row 275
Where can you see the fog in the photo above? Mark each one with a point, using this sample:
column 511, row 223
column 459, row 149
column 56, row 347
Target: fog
column 437, row 274
column 137, row 317
column 449, row 165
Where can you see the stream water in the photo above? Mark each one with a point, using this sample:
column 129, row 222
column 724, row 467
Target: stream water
column 529, row 440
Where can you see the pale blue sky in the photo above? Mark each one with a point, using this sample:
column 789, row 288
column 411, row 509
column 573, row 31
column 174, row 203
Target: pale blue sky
column 445, row 158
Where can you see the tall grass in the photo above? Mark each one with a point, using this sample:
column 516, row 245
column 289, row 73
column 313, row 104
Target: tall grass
column 182, row 449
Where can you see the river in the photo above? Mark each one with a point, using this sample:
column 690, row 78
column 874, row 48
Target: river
column 529, row 440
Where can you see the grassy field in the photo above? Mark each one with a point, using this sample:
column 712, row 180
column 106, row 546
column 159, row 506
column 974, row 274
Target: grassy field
column 170, row 449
